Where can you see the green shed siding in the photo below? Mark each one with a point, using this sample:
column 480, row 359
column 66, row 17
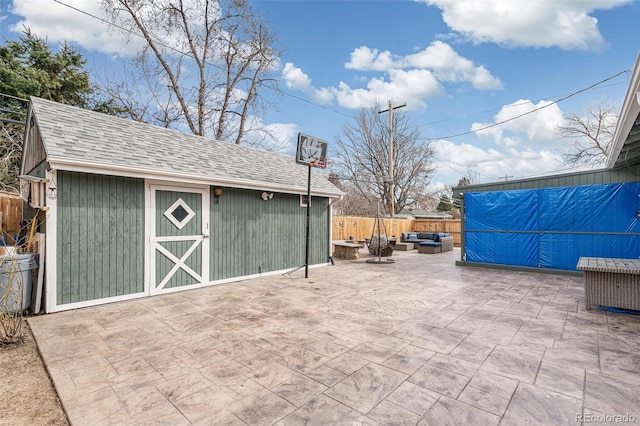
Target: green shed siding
column 100, row 236
column 251, row 236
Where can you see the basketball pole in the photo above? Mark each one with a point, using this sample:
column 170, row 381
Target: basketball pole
column 310, row 151
column 306, row 254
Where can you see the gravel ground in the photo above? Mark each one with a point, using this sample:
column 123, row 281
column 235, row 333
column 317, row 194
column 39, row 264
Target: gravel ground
column 28, row 397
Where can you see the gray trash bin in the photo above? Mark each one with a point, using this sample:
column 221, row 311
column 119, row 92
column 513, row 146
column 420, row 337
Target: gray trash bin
column 16, row 282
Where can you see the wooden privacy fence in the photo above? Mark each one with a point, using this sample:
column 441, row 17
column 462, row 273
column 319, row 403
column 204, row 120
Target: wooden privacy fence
column 11, row 209
column 360, row 228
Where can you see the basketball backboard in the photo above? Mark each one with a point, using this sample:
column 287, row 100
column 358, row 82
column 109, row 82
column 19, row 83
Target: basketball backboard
column 310, row 149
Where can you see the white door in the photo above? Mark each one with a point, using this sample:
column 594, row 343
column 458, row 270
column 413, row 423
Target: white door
column 179, row 238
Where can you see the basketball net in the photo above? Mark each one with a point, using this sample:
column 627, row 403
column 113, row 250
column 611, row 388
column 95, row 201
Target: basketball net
column 322, row 163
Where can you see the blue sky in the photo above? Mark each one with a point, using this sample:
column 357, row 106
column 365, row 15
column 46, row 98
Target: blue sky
column 459, row 66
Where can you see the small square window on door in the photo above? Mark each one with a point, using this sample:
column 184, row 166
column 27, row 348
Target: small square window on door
column 179, row 213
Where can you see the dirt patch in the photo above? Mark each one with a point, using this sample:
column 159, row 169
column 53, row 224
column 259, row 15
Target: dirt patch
column 28, row 396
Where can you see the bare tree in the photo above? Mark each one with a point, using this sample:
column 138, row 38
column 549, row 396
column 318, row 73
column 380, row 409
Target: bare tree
column 204, row 62
column 363, row 160
column 464, row 181
column 143, row 96
column 11, row 140
column 355, row 204
column 591, row 134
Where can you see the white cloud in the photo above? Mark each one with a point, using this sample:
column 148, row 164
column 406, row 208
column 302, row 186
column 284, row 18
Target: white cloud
column 366, row 59
column 449, row 66
column 566, row 24
column 287, row 134
column 411, row 86
column 465, row 155
column 413, row 78
column 439, row 58
column 83, row 23
column 524, row 147
column 56, row 22
column 523, row 118
column 295, row 78
column 455, row 161
column 274, row 137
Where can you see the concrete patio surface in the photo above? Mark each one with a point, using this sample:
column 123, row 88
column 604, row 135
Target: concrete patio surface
column 420, row 341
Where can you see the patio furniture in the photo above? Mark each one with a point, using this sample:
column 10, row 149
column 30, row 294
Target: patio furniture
column 379, row 244
column 416, row 238
column 347, row 249
column 404, row 246
column 611, row 282
column 430, row 247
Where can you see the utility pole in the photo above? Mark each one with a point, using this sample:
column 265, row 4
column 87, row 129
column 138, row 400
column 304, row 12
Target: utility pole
column 506, row 177
column 392, row 191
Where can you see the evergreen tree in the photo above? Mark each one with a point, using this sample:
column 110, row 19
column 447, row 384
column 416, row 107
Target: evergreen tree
column 445, row 204
column 28, row 67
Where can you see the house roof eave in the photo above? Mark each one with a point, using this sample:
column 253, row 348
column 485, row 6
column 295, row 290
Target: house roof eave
column 628, row 116
column 184, row 178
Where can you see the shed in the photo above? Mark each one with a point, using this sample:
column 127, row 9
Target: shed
column 548, row 223
column 131, row 210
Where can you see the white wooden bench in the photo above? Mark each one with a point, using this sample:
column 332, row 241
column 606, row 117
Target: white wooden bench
column 346, row 249
column 611, row 282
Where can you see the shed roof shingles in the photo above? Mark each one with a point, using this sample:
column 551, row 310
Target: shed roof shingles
column 96, row 139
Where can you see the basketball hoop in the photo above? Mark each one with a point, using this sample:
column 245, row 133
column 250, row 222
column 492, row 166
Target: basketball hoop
column 321, row 162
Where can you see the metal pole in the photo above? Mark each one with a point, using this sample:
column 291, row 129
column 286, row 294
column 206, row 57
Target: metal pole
column 392, row 186
column 306, row 254
column 463, row 256
column 379, row 237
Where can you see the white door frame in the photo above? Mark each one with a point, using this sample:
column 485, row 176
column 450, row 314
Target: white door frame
column 152, row 246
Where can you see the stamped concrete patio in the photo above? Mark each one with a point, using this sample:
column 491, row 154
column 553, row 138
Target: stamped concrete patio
column 420, row 341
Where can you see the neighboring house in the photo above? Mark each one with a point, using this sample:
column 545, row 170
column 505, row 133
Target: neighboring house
column 423, row 214
column 548, row 223
column 432, row 215
column 134, row 210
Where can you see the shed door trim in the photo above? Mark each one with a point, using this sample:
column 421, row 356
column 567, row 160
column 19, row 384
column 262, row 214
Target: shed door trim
column 177, row 250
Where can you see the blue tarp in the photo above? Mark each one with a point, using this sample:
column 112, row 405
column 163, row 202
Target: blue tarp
column 553, row 227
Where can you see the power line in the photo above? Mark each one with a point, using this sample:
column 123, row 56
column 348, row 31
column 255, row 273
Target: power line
column 444, row 120
column 493, row 178
column 448, row 164
column 299, row 98
column 529, row 112
column 180, row 52
column 284, row 93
